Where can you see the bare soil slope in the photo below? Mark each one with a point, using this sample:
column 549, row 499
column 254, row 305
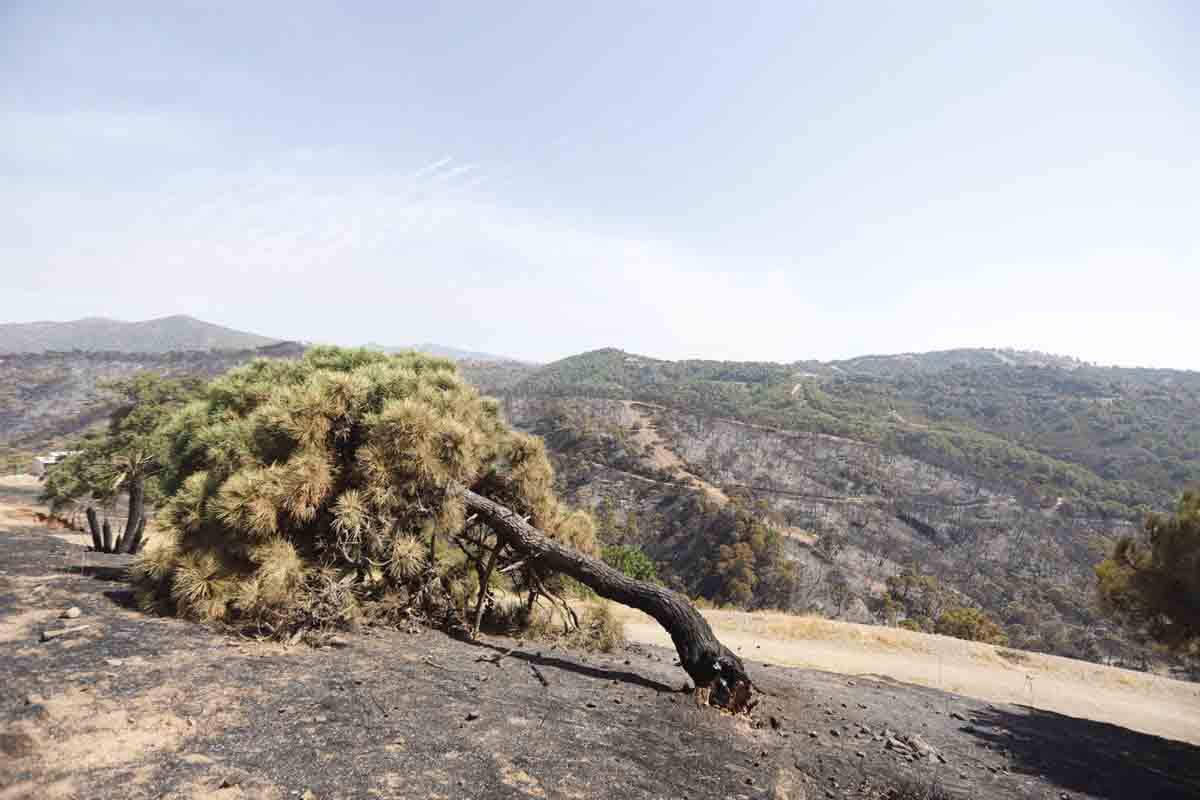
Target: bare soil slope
column 136, row 706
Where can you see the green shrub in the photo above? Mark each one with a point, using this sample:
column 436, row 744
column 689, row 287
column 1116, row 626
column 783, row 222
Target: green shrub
column 630, row 560
column 970, row 624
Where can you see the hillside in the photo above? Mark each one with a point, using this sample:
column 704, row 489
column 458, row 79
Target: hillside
column 163, row 335
column 896, row 487
column 1106, row 440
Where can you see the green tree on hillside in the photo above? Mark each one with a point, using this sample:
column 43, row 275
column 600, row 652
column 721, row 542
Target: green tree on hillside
column 1153, row 579
column 126, row 456
column 630, row 560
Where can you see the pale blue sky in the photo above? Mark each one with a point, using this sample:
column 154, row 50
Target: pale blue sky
column 772, row 181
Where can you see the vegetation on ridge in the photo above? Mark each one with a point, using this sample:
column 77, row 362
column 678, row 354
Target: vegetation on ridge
column 1107, row 441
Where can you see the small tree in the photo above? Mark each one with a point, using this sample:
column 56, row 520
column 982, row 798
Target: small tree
column 127, row 454
column 1153, row 580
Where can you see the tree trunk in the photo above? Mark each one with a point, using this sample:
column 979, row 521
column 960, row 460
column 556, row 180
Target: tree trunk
column 137, row 507
column 94, row 524
column 136, row 543
column 710, row 664
column 485, row 576
column 108, row 537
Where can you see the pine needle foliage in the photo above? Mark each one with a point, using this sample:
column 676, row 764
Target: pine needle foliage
column 1153, row 580
column 308, row 493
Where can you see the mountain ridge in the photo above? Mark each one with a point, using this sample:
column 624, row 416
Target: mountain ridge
column 174, row 333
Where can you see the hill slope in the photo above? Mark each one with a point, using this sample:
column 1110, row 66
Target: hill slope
column 1108, row 440
column 998, row 476
column 163, row 335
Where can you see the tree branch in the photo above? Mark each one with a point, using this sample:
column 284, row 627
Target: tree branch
column 709, row 663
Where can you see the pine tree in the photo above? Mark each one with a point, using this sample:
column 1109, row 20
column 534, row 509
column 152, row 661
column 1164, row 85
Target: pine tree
column 302, row 494
column 1153, row 580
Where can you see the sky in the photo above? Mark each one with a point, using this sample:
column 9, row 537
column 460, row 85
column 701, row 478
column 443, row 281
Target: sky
column 776, row 181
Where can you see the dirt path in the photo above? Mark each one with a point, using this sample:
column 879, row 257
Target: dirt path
column 1135, row 700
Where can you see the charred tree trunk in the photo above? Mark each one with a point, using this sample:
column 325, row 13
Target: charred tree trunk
column 710, row 664
column 108, row 537
column 137, row 508
column 485, row 576
column 135, row 543
column 94, row 525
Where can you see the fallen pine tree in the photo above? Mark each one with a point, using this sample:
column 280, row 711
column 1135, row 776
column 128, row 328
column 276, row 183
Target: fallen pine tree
column 302, row 495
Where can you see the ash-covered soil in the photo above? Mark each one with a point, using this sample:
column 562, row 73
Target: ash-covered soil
column 141, row 707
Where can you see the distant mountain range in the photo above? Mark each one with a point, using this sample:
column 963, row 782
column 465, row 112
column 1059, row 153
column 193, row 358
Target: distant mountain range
column 445, row 352
column 164, row 335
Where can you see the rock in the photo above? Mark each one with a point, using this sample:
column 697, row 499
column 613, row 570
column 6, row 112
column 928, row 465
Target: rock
column 50, row 634
column 957, row 716
column 34, row 699
column 195, row 758
column 472, row 715
column 920, row 745
column 813, row 734
column 834, row 732
column 72, row 613
column 775, row 723
column 113, row 662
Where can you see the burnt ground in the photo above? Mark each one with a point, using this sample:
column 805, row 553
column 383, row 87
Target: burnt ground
column 142, row 707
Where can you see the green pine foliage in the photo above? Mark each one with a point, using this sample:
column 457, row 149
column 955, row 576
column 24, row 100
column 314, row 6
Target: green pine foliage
column 630, row 560
column 129, row 448
column 1153, row 580
column 724, row 554
column 313, row 492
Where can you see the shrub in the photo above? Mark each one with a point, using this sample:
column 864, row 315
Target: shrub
column 971, row 624
column 630, row 560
